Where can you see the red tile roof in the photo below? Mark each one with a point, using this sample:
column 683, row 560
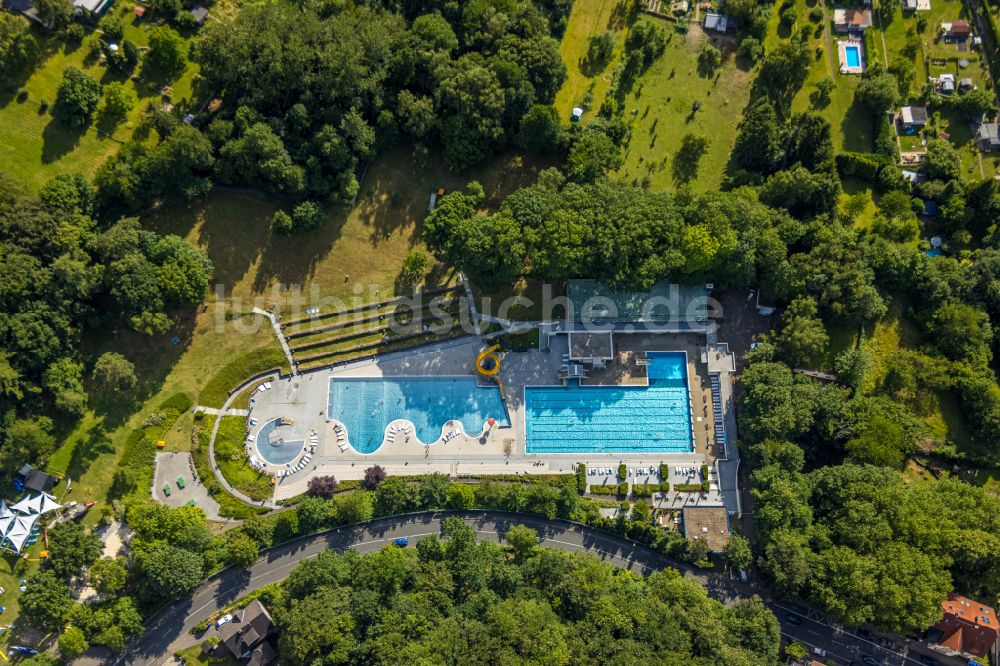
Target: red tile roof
column 968, row 627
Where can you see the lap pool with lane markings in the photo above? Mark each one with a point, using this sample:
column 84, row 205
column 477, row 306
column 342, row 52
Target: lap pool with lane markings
column 614, row 419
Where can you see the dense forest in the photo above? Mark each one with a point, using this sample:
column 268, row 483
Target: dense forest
column 469, row 602
column 64, row 273
column 312, row 92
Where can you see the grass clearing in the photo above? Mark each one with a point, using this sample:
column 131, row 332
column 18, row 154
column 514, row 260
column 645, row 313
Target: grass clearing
column 232, row 460
column 34, row 147
column 354, row 258
column 588, row 18
column 851, row 126
column 660, row 110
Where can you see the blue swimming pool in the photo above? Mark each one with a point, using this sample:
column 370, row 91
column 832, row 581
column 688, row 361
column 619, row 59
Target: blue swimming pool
column 613, row 419
column 853, row 55
column 367, row 405
column 279, row 451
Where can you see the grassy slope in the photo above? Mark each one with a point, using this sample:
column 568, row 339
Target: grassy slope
column 34, row 147
column 354, row 258
column 660, row 111
column 588, row 17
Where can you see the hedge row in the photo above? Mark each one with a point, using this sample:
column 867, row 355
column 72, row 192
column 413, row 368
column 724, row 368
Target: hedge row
column 647, row 489
column 581, row 478
column 692, row 487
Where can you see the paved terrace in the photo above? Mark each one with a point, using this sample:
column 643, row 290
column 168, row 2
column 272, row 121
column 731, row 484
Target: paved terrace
column 303, row 398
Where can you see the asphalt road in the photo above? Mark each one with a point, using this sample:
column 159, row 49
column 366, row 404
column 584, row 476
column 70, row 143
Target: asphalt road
column 169, row 630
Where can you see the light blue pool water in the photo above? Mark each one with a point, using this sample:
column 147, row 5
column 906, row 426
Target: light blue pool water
column 613, row 419
column 282, row 451
column 934, row 252
column 367, row 405
column 853, row 55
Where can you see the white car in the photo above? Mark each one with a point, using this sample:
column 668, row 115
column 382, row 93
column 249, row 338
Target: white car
column 222, row 620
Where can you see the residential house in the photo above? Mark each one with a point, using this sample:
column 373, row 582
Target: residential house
column 200, row 14
column 968, row 629
column 245, row 636
column 988, row 136
column 956, row 31
column 916, row 5
column 851, row 20
column 946, row 84
column 913, row 117
column 90, row 7
column 966, row 84
column 717, row 22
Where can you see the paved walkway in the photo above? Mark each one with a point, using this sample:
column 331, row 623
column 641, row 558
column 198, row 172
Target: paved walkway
column 281, row 337
column 213, row 411
column 211, row 446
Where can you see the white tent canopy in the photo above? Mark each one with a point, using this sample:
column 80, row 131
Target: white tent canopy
column 5, row 511
column 47, row 503
column 40, row 503
column 17, row 531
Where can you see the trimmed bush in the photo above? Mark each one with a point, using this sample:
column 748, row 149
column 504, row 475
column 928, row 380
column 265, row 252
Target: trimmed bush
column 581, row 478
column 664, row 471
column 688, row 487
column 704, row 472
column 623, row 489
column 622, row 472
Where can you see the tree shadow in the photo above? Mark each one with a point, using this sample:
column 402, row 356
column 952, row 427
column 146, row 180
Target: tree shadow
column 624, row 14
column 856, row 128
column 59, row 140
column 686, row 162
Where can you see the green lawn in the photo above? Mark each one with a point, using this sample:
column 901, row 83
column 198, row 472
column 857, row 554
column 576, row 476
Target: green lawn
column 588, row 17
column 34, row 147
column 851, row 126
column 232, row 460
column 660, row 110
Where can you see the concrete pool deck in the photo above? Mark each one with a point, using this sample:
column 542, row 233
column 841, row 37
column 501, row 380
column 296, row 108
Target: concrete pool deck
column 303, row 398
column 845, row 67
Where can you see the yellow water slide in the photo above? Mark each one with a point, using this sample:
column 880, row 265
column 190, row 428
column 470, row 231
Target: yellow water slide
column 488, row 365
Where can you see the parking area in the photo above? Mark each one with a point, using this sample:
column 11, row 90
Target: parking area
column 177, row 465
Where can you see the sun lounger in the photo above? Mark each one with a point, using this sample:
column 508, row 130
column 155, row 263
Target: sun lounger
column 343, row 447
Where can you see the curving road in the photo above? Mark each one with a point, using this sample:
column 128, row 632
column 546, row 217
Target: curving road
column 169, row 630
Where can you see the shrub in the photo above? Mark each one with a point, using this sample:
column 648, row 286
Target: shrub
column 704, row 472
column 789, row 16
column 112, row 27
column 75, row 33
column 604, row 490
column 581, row 478
column 281, row 223
column 664, row 471
column 179, row 401
column 307, row 215
column 816, row 14
column 374, row 476
column 688, row 487
column 322, row 486
column 623, row 489
column 622, row 472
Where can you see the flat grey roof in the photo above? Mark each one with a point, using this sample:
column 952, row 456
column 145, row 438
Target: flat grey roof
column 587, row 345
column 594, row 302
